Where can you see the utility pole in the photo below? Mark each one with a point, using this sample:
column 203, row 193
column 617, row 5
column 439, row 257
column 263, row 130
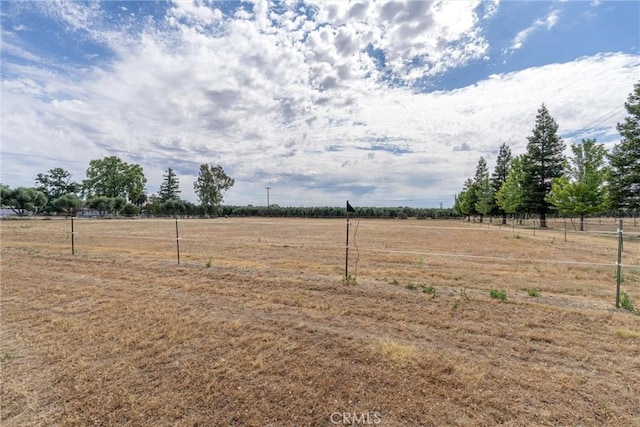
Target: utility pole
column 268, row 188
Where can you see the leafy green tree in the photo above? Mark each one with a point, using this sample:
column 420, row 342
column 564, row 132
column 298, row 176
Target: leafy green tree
column 173, row 207
column 67, row 203
column 211, row 183
column 118, row 204
column 465, row 201
column 499, row 176
column 170, row 187
column 625, row 157
column 111, row 177
column 102, row 204
column 486, row 203
column 543, row 161
column 23, row 200
column 510, row 196
column 582, row 189
column 130, row 210
column 57, row 182
column 4, row 192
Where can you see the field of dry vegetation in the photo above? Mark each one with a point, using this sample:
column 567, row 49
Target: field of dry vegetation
column 255, row 327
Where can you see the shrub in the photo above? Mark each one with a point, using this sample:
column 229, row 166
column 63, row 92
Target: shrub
column 500, row 294
column 626, row 303
column 431, row 290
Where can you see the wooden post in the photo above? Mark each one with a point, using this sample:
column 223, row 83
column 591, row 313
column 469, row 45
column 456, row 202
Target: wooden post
column 73, row 235
column 177, row 241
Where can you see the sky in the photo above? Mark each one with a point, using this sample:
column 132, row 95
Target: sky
column 382, row 103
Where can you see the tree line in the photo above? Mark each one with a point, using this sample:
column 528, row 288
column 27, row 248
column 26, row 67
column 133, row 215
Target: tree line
column 116, row 187
column 543, row 181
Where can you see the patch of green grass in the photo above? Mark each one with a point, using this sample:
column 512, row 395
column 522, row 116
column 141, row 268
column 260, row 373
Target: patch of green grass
column 207, row 263
column 431, row 290
column 410, row 286
column 534, row 292
column 500, row 294
column 5, row 357
column 394, row 282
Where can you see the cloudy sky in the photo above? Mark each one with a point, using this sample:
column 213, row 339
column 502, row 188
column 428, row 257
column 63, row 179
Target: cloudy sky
column 382, row 103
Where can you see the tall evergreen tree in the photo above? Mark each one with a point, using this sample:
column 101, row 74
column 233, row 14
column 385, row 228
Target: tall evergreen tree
column 581, row 190
column 483, row 197
column 499, row 176
column 625, row 157
column 543, row 161
column 170, row 187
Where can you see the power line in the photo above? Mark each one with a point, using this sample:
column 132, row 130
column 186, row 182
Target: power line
column 594, row 124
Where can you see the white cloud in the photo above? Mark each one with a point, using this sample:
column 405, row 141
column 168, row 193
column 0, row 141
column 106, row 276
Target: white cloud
column 294, row 103
column 547, row 23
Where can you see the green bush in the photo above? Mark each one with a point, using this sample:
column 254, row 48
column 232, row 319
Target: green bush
column 500, row 294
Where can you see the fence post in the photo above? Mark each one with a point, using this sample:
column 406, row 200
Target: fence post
column 346, row 256
column 565, row 229
column 618, row 264
column 177, row 241
column 73, row 235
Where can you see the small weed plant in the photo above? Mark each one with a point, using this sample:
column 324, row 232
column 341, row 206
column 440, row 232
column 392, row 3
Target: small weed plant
column 207, row 263
column 431, row 290
column 500, row 294
column 349, row 280
column 411, row 286
column 394, row 282
column 626, row 303
column 535, row 292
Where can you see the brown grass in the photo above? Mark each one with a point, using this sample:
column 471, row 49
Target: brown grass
column 119, row 334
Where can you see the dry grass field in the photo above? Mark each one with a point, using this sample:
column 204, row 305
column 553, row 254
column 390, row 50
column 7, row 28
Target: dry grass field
column 255, row 327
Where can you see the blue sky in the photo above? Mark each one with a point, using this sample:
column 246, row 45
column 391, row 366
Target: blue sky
column 383, row 103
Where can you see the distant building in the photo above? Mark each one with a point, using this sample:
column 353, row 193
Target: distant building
column 5, row 212
column 87, row 213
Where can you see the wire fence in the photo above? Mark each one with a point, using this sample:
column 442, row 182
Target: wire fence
column 518, row 251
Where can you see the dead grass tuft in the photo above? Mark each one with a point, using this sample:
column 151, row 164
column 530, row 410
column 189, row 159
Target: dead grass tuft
column 628, row 333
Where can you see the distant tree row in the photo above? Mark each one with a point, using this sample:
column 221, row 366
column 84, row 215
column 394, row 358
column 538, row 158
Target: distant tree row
column 338, row 212
column 541, row 180
column 116, row 187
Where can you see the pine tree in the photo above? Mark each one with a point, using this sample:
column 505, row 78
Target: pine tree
column 482, row 202
column 543, row 161
column 170, row 187
column 499, row 176
column 625, row 157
